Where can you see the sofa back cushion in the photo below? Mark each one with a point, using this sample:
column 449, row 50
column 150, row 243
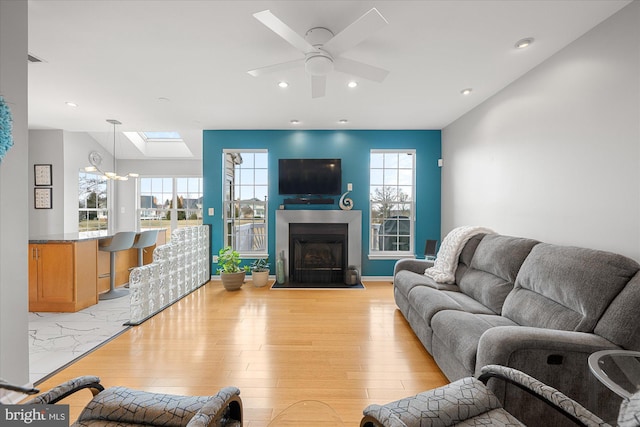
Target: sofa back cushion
column 567, row 288
column 464, row 260
column 493, row 269
column 619, row 323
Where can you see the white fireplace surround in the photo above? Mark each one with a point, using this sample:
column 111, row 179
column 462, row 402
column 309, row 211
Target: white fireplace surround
column 353, row 219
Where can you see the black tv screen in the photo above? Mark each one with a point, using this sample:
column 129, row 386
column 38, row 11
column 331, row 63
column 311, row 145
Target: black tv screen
column 309, row 176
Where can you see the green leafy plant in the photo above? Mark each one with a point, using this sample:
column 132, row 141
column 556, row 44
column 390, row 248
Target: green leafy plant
column 229, row 261
column 261, row 264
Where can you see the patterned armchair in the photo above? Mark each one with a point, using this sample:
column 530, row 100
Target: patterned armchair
column 126, row 407
column 469, row 402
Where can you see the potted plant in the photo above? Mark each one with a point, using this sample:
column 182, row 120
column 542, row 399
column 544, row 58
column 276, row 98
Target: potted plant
column 231, row 274
column 260, row 272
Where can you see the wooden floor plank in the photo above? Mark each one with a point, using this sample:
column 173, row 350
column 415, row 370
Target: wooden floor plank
column 346, row 348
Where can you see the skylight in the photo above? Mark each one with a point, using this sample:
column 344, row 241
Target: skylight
column 161, row 136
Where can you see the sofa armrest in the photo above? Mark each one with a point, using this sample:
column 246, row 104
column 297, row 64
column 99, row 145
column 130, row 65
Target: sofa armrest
column 498, row 345
column 415, row 265
column 565, row 405
column 67, row 388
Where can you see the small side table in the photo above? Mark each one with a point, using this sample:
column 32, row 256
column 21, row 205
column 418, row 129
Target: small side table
column 619, row 370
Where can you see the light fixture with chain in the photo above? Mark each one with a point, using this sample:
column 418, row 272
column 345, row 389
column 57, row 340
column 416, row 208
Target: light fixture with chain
column 95, row 158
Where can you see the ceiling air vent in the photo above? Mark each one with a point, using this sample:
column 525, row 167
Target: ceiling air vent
column 32, row 58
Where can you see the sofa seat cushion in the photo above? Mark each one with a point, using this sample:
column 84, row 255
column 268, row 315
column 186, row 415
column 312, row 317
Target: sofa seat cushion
column 426, row 302
column 556, row 286
column 493, row 269
column 406, row 280
column 459, row 332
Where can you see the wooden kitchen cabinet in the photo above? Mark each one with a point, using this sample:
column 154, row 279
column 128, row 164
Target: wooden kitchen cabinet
column 62, row 276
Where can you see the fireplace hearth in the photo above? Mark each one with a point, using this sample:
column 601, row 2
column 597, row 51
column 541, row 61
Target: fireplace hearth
column 352, row 219
column 318, row 252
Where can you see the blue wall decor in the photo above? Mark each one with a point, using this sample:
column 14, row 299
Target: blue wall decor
column 353, row 147
column 6, row 139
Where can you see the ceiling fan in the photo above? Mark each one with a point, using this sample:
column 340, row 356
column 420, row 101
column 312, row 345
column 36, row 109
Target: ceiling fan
column 322, row 49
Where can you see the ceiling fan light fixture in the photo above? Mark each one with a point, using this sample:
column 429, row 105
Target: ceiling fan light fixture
column 318, row 64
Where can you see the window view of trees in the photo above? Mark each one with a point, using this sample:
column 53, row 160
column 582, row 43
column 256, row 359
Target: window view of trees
column 392, row 200
column 245, row 201
column 170, row 202
column 92, row 202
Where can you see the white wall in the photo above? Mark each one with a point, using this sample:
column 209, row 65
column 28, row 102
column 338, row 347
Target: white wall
column 45, row 147
column 14, row 193
column 556, row 155
column 68, row 153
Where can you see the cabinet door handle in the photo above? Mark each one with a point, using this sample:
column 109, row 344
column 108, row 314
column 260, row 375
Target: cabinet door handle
column 33, row 253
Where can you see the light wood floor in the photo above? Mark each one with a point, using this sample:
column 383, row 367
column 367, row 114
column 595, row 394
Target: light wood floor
column 347, row 348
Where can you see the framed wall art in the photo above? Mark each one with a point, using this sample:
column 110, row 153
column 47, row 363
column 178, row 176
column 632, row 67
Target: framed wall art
column 42, row 198
column 42, row 175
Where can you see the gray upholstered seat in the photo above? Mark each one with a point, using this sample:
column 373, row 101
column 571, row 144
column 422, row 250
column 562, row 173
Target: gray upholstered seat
column 119, row 242
column 145, row 239
column 468, row 401
column 126, row 407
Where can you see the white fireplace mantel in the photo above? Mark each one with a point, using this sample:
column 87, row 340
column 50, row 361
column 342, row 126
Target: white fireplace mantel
column 353, row 219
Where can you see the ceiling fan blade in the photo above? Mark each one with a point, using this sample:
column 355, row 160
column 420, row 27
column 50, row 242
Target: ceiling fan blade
column 283, row 30
column 318, row 86
column 359, row 30
column 257, row 72
column 360, row 69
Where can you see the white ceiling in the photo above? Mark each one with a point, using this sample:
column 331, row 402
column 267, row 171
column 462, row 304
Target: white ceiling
column 182, row 65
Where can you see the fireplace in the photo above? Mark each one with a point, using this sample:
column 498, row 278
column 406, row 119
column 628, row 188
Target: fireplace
column 352, row 220
column 318, row 252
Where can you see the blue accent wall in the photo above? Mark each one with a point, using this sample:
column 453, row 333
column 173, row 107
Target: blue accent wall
column 353, row 147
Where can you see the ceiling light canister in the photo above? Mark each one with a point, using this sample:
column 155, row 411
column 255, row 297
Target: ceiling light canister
column 71, row 104
column 283, row 84
column 521, row 44
column 352, row 84
column 466, row 91
column 295, row 122
column 343, row 121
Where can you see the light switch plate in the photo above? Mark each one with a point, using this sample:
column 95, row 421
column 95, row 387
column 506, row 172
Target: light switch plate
column 210, row 211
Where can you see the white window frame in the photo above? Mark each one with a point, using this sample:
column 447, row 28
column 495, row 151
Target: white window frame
column 173, row 211
column 231, row 234
column 105, row 211
column 373, row 234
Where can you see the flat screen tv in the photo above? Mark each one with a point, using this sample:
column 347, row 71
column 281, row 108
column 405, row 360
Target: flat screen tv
column 309, row 177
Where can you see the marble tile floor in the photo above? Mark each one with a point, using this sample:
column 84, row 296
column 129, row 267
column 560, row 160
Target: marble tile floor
column 57, row 339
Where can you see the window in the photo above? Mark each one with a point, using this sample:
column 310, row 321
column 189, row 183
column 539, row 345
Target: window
column 246, row 186
column 392, row 206
column 92, row 202
column 170, row 202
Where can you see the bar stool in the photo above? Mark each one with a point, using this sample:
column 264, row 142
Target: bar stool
column 146, row 239
column 120, row 242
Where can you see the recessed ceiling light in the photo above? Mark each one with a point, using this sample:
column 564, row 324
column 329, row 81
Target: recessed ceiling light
column 295, row 122
column 343, row 121
column 352, row 84
column 521, row 44
column 71, row 104
column 164, row 99
column 283, row 84
column 466, row 91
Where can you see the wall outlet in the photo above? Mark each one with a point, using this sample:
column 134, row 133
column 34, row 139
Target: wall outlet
column 214, row 258
column 210, row 211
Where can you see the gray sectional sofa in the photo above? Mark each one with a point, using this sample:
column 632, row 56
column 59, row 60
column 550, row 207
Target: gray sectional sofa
column 536, row 307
